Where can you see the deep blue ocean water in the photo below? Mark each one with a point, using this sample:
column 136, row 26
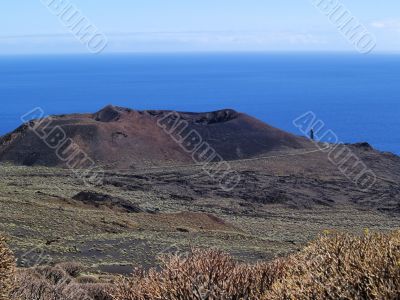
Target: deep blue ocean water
column 357, row 96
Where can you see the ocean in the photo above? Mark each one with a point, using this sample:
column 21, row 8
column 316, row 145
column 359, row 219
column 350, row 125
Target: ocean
column 356, row 96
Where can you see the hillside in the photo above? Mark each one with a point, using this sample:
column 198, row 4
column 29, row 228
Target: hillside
column 154, row 199
column 118, row 137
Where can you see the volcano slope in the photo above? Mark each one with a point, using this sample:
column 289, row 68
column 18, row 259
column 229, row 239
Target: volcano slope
column 288, row 194
column 118, row 137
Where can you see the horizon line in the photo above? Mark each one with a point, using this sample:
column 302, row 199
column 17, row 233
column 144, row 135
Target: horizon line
column 166, row 52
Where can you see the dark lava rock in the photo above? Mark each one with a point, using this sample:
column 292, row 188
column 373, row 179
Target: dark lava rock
column 103, row 200
column 107, row 114
column 364, row 146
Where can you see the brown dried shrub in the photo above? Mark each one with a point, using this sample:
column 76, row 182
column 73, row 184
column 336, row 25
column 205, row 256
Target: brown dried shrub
column 48, row 283
column 98, row 291
column 57, row 283
column 342, row 266
column 86, row 279
column 7, row 269
column 73, row 269
column 337, row 266
column 203, row 275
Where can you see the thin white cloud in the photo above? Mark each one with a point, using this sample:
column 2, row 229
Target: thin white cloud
column 176, row 41
column 224, row 37
column 392, row 24
column 378, row 24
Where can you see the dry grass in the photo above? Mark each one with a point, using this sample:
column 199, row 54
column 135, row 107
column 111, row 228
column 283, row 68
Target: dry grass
column 6, row 270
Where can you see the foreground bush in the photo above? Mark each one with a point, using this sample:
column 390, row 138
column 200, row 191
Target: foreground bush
column 336, row 266
column 6, row 270
column 201, row 275
column 343, row 267
column 333, row 267
column 60, row 282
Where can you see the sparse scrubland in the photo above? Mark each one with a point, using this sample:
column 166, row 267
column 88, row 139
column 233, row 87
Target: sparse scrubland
column 6, row 270
column 335, row 266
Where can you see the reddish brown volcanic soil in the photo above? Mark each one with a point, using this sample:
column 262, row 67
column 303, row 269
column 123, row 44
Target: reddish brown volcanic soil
column 118, row 137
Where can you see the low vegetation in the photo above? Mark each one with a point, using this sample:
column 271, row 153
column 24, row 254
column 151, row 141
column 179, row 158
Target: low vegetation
column 62, row 282
column 6, row 270
column 200, row 275
column 336, row 266
column 339, row 266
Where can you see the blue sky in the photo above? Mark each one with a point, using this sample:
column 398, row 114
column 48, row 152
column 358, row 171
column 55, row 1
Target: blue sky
column 27, row 26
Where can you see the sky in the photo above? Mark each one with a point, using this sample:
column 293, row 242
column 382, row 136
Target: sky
column 31, row 27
